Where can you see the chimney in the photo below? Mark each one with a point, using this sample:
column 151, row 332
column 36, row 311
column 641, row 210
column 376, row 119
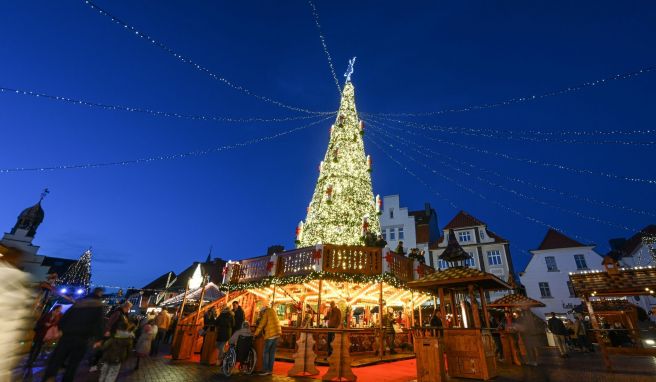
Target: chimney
column 427, row 208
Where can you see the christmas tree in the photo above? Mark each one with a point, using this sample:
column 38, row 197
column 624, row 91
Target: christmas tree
column 79, row 273
column 343, row 209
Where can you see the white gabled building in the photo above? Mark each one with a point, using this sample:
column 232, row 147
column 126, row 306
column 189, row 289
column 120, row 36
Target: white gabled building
column 489, row 252
column 546, row 277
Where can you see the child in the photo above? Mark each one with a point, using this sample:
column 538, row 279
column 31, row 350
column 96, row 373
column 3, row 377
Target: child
column 114, row 352
column 148, row 333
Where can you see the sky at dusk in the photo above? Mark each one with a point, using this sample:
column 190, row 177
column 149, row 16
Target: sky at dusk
column 146, row 219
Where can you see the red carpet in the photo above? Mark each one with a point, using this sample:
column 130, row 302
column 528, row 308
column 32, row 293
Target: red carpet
column 399, row 371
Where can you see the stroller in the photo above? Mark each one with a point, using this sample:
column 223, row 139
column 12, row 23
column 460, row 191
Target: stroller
column 244, row 353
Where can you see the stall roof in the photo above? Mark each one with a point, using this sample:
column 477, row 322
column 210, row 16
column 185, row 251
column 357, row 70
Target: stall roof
column 516, row 300
column 635, row 281
column 459, row 277
column 212, row 293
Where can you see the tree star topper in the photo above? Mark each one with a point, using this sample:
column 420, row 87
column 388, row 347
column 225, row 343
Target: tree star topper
column 349, row 70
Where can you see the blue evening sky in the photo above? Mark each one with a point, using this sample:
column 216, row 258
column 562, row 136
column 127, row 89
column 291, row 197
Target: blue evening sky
column 146, row 219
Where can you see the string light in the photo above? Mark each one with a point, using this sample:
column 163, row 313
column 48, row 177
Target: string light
column 517, row 100
column 79, row 273
column 458, row 184
column 542, row 163
column 152, row 112
column 193, row 64
column 315, row 14
column 542, row 136
column 413, row 146
column 531, row 184
column 196, row 153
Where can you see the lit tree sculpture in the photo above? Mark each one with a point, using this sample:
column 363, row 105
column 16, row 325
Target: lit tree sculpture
column 343, row 209
column 79, row 273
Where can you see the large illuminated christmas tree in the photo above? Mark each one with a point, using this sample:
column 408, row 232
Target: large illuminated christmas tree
column 343, row 209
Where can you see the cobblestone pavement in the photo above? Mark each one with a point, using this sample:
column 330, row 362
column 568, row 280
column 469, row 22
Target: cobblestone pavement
column 577, row 368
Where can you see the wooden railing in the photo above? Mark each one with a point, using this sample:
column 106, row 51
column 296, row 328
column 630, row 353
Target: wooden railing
column 250, row 269
column 400, row 266
column 297, row 262
column 425, row 270
column 352, row 259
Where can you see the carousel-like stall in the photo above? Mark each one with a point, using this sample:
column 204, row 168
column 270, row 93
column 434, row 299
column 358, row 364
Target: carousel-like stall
column 617, row 329
column 467, row 338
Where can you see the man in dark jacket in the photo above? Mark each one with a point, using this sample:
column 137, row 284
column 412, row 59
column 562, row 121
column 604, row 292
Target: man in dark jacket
column 238, row 313
column 334, row 318
column 81, row 323
column 559, row 331
column 224, row 325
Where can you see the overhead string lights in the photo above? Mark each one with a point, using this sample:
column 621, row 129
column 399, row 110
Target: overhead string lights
column 195, row 153
column 569, row 195
column 517, row 100
column 558, row 166
column 431, row 154
column 192, row 63
column 459, row 185
column 315, row 15
column 528, row 135
column 156, row 113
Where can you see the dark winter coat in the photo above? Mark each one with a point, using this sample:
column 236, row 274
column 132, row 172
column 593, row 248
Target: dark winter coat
column 84, row 319
column 224, row 325
column 556, row 326
column 239, row 317
column 117, row 349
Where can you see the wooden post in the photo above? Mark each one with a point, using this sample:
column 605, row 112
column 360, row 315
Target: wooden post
column 273, row 297
column 412, row 305
column 421, row 322
column 381, row 349
column 200, row 302
column 319, row 318
column 486, row 314
column 440, row 292
column 474, row 307
column 597, row 327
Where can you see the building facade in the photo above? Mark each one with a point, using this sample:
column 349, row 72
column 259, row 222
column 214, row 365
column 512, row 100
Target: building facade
column 638, row 251
column 416, row 229
column 489, row 252
column 20, row 239
column 546, row 277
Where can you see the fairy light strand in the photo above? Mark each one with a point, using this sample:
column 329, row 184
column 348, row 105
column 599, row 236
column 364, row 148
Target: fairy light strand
column 531, row 184
column 468, row 189
column 156, row 113
column 195, row 153
column 518, row 100
column 521, row 135
column 315, row 15
column 558, row 166
column 430, row 154
column 192, row 63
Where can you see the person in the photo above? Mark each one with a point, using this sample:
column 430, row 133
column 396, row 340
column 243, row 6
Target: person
column 120, row 314
column 436, row 322
column 169, row 333
column 559, row 331
column 308, row 318
column 238, row 313
column 497, row 327
column 144, row 343
column 244, row 331
column 399, row 249
column 388, row 323
column 45, row 330
column 225, row 323
column 81, row 323
column 531, row 330
column 163, row 321
column 380, row 242
column 16, row 300
column 334, row 317
column 581, row 335
column 114, row 352
column 269, row 327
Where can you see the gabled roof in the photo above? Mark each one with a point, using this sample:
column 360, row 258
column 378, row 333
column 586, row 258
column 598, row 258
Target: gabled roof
column 161, row 281
column 462, row 220
column 554, row 240
column 516, row 300
column 459, row 277
column 634, row 241
column 214, row 270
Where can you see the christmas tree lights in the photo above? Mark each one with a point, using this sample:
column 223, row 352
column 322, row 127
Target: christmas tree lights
column 79, row 273
column 343, row 208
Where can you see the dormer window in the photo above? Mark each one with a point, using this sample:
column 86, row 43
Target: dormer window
column 464, row 237
column 481, row 233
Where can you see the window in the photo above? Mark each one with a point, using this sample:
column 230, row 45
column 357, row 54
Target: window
column 545, row 292
column 551, row 263
column 441, row 264
column 401, row 236
column 384, row 233
column 580, row 262
column 481, row 233
column 494, row 257
column 464, row 236
column 392, row 234
column 391, row 212
column 471, row 263
column 571, row 289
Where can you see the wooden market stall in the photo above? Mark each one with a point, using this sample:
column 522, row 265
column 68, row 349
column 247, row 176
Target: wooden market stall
column 509, row 338
column 601, row 287
column 468, row 343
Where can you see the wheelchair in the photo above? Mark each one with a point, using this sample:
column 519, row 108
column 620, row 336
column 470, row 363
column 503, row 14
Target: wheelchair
column 244, row 353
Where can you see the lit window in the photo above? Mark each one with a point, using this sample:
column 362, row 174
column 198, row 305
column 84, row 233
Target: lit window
column 384, row 233
column 580, row 262
column 401, row 236
column 464, row 237
column 551, row 263
column 545, row 292
column 392, row 234
column 571, row 289
column 494, row 257
column 391, row 212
